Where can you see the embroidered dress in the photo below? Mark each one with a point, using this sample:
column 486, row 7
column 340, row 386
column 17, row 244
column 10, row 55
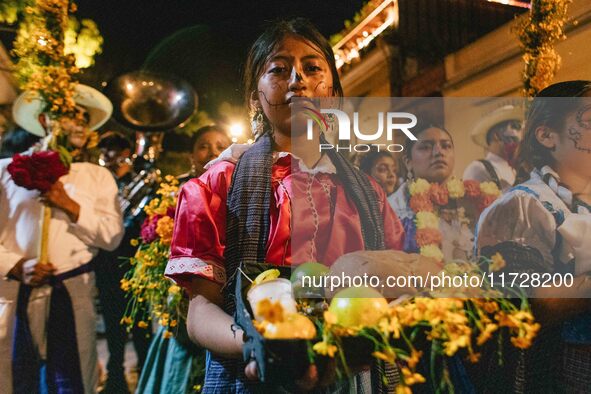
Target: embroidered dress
column 541, row 214
column 325, row 229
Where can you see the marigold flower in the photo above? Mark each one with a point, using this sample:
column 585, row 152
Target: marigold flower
column 142, row 324
column 418, row 186
column 410, row 377
column 401, row 389
column 164, row 229
column 421, row 202
column 270, row 311
column 439, row 194
column 325, row 349
column 386, row 355
column 427, row 220
column 455, row 188
column 472, row 188
column 428, row 236
column 167, row 334
column 486, row 334
column 432, row 251
column 490, row 188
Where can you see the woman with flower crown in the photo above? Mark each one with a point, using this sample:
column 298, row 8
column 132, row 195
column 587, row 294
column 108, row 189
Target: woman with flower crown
column 544, row 226
column 438, row 212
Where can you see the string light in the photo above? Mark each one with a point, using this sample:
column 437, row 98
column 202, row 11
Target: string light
column 362, row 35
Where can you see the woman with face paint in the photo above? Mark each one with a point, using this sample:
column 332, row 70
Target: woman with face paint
column 544, row 226
column 499, row 133
column 242, row 209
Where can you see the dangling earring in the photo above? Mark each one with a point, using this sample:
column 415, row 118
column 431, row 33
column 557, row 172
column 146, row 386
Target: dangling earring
column 193, row 167
column 410, row 176
column 258, row 123
column 331, row 122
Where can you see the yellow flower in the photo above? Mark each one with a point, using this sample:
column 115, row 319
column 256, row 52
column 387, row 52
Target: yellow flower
column 174, row 289
column 125, row 284
column 419, row 186
column 173, row 323
column 455, row 188
column 142, row 324
column 452, row 347
column 432, row 251
column 164, row 229
column 390, row 325
column 410, row 377
column 126, row 320
column 270, row 311
column 387, row 355
column 134, row 242
column 486, row 333
column 414, row 358
column 427, row 220
column 167, row 334
column 490, row 188
column 401, row 389
column 474, row 357
column 497, row 262
column 325, row 349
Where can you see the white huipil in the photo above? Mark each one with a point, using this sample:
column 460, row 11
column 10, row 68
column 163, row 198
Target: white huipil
column 70, row 245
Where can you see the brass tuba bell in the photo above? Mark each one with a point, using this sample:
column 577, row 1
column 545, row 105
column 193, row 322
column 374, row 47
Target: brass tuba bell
column 151, row 104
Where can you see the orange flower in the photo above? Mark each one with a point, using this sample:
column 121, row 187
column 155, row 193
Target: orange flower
column 439, row 194
column 428, row 236
column 472, row 188
column 421, row 202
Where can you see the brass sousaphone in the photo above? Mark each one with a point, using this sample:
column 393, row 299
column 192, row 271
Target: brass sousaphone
column 150, row 104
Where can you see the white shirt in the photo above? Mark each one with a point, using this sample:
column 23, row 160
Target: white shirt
column 521, row 216
column 70, row 244
column 477, row 172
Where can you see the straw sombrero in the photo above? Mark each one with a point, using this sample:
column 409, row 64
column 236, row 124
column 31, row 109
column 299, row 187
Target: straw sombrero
column 28, row 106
column 501, row 114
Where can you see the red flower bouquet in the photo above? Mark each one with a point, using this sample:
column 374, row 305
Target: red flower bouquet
column 39, row 171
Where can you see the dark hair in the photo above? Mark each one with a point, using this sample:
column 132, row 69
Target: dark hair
column 369, row 159
column 550, row 112
column 206, row 129
column 500, row 127
column 267, row 42
column 16, row 141
column 423, row 123
column 113, row 140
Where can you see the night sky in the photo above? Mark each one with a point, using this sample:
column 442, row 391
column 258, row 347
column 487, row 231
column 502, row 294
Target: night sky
column 211, row 54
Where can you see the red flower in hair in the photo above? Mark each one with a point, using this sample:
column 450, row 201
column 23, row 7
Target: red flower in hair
column 39, row 171
column 439, row 194
column 421, row 202
column 472, row 188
